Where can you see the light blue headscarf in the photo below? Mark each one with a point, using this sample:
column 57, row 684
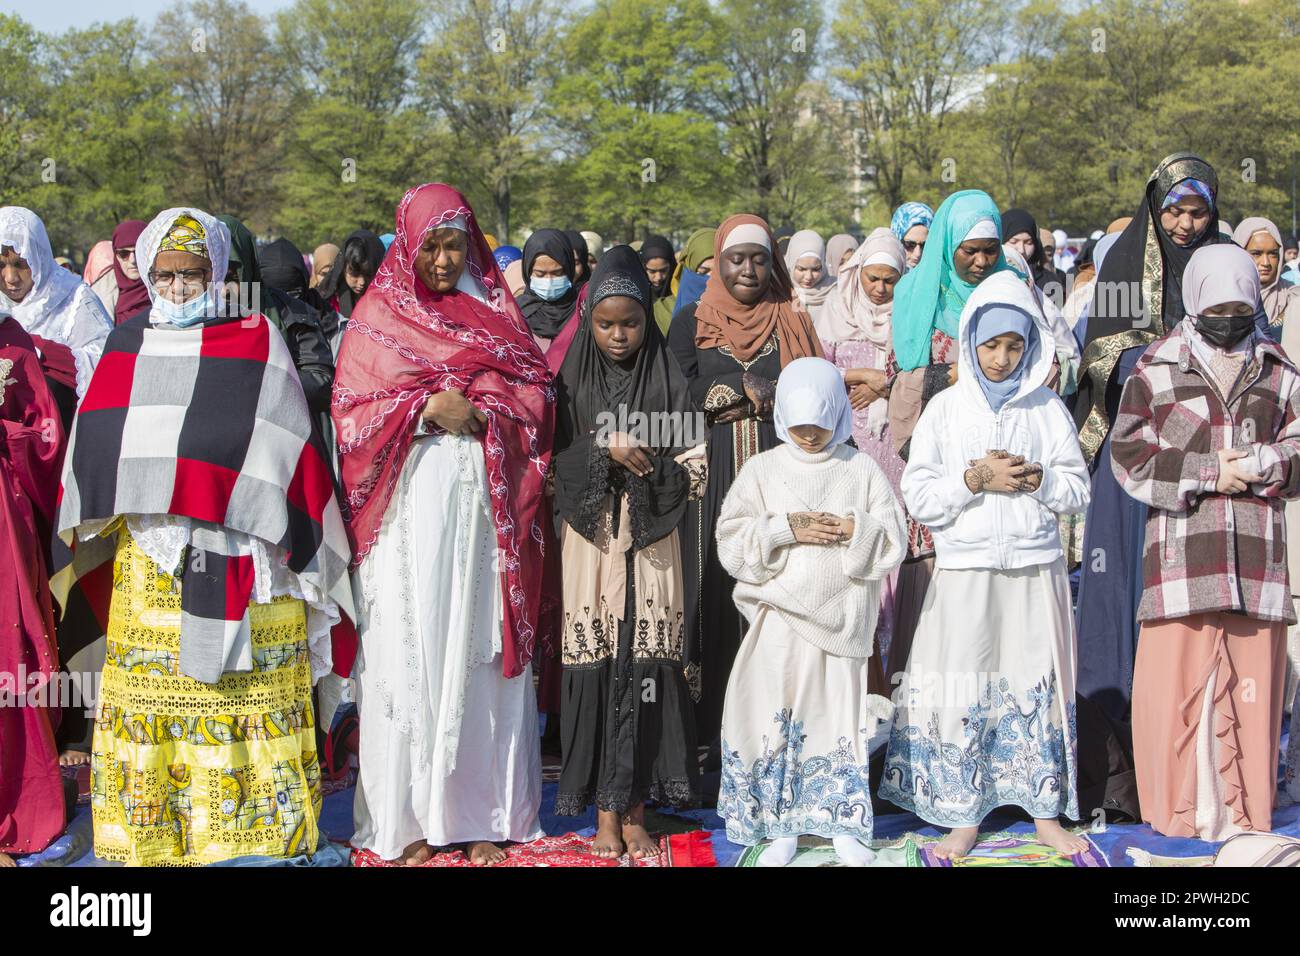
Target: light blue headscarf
column 387, row 239
column 908, row 215
column 990, row 322
column 932, row 295
column 811, row 391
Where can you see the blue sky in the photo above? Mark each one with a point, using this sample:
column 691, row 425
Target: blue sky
column 58, row 16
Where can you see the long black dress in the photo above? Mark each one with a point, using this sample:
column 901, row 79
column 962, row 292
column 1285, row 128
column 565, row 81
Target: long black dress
column 714, row 628
column 626, row 724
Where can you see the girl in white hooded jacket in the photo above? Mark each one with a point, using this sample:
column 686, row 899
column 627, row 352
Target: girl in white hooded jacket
column 985, row 710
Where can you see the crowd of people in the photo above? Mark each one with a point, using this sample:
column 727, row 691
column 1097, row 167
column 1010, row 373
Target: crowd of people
column 955, row 517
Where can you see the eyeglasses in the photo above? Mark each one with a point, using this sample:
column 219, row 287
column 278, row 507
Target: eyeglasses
column 125, row 254
column 190, row 278
column 912, row 245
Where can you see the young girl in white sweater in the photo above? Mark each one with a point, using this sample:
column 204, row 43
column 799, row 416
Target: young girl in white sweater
column 985, row 713
column 808, row 531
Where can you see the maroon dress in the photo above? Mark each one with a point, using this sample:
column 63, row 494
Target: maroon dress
column 32, row 811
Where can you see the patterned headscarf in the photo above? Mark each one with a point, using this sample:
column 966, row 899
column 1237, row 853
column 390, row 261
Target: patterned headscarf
column 908, row 215
column 185, row 235
column 1186, row 189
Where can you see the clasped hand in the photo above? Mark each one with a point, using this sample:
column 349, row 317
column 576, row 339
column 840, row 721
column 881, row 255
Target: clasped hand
column 1001, row 471
column 820, row 527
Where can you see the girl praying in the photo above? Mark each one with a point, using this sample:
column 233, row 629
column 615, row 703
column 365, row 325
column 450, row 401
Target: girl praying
column 985, row 712
column 627, row 720
column 809, row 530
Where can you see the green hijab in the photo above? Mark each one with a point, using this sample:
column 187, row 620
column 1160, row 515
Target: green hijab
column 932, row 295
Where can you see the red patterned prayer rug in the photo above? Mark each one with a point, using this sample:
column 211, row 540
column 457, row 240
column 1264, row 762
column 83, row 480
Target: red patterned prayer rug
column 572, row 850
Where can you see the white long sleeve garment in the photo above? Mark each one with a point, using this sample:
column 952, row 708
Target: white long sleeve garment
column 995, row 530
column 828, row 594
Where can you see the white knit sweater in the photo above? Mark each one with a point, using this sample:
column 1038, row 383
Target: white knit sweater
column 827, row 594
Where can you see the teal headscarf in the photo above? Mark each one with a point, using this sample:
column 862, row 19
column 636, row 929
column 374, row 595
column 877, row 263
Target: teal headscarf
column 932, row 295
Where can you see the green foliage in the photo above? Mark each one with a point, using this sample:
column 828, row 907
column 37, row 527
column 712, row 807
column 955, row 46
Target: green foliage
column 629, row 116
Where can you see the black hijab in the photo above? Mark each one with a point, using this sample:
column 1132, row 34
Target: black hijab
column 546, row 319
column 582, row 270
column 1143, row 270
column 1016, row 221
column 589, row 383
column 363, row 247
column 658, row 247
column 283, row 267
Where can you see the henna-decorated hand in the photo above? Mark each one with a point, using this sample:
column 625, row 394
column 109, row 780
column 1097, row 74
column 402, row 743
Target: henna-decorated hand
column 815, row 527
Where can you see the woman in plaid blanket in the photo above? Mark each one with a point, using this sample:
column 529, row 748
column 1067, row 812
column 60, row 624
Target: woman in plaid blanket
column 1207, row 436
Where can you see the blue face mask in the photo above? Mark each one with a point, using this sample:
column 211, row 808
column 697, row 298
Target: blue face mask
column 186, row 313
column 549, row 289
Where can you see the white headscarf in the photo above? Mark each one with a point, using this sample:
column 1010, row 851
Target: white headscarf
column 850, row 315
column 59, row 307
column 811, row 391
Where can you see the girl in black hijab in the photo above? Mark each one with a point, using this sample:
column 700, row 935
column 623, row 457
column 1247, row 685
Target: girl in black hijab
column 1018, row 221
column 658, row 247
column 620, row 493
column 552, row 291
column 352, row 272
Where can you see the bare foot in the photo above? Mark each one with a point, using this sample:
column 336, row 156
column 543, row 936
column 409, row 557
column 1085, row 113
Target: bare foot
column 483, row 853
column 1059, row 839
column 639, row 842
column 417, row 854
column 608, row 842
column 6, row 861
column 957, row 843
column 73, row 758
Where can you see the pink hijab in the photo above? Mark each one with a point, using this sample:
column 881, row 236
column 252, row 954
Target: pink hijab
column 99, row 261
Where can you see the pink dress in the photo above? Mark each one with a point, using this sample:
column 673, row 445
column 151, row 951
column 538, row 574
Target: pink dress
column 865, row 354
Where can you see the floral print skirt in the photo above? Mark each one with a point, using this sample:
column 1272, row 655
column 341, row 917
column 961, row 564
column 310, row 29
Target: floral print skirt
column 985, row 712
column 796, row 725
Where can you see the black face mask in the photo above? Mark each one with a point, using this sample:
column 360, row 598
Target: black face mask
column 1224, row 331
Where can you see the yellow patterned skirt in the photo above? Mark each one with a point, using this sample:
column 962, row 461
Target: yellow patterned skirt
column 186, row 773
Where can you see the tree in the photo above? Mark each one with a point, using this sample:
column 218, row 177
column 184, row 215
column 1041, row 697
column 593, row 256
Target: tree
column 23, row 76
column 107, row 127
column 355, row 140
column 628, row 111
column 229, row 83
column 487, row 71
column 767, row 52
column 907, row 65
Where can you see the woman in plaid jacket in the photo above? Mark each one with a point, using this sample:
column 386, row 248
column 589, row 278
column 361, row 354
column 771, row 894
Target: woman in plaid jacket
column 1207, row 436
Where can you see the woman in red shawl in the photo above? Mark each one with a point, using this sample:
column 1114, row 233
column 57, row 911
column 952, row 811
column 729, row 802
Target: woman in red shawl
column 444, row 409
column 31, row 790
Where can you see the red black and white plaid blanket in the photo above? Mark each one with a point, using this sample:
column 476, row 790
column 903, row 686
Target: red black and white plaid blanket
column 210, row 424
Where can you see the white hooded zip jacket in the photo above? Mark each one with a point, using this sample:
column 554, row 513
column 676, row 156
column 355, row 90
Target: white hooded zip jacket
column 995, row 530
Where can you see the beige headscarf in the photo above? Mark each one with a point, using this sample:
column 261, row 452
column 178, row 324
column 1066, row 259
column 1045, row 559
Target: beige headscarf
column 807, row 242
column 1278, row 294
column 851, row 316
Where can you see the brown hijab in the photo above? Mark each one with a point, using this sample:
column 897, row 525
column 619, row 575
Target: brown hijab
column 722, row 320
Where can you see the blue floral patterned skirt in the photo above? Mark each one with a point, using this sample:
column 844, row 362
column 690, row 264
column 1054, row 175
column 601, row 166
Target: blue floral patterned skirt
column 795, row 730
